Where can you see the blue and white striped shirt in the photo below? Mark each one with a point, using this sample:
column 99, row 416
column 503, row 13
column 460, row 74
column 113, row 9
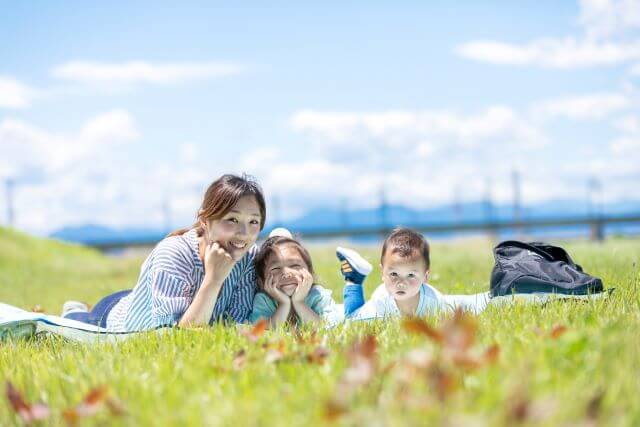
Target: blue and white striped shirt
column 169, row 279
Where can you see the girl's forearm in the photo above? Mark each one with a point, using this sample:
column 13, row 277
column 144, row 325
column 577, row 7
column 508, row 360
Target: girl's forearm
column 306, row 314
column 201, row 308
column 281, row 315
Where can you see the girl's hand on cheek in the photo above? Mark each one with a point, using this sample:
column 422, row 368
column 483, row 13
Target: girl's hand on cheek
column 270, row 287
column 304, row 287
column 217, row 262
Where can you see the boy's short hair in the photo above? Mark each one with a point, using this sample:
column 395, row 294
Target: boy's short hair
column 407, row 243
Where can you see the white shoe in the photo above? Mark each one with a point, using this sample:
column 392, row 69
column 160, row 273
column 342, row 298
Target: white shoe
column 353, row 266
column 281, row 232
column 74, row 307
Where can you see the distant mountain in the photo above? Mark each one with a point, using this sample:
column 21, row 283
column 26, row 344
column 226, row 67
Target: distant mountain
column 391, row 216
column 91, row 234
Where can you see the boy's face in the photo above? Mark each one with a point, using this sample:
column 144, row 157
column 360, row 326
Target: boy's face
column 403, row 276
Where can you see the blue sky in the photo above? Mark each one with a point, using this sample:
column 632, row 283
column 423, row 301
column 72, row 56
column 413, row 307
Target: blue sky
column 108, row 110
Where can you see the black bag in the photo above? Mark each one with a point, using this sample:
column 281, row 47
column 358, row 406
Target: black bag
column 538, row 268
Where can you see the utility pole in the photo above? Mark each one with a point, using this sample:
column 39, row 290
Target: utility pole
column 488, row 210
column 595, row 208
column 488, row 203
column 593, row 196
column 457, row 204
column 517, row 214
column 344, row 214
column 384, row 220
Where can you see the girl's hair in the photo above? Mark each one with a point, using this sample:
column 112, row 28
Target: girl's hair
column 268, row 248
column 221, row 196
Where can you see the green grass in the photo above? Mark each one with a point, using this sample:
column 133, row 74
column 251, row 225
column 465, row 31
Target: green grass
column 186, row 377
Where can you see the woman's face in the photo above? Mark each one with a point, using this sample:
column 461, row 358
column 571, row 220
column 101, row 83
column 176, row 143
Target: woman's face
column 285, row 266
column 238, row 230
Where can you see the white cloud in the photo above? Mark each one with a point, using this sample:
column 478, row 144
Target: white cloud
column 628, row 124
column 142, row 71
column 591, row 106
column 635, row 70
column 420, row 158
column 189, row 152
column 625, row 144
column 628, row 142
column 416, row 157
column 398, row 129
column 113, row 126
column 607, row 18
column 27, row 148
column 260, row 158
column 82, row 179
column 14, row 94
column 607, row 39
column 111, row 189
column 552, row 53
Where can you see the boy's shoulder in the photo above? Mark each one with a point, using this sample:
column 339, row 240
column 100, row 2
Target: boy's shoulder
column 380, row 293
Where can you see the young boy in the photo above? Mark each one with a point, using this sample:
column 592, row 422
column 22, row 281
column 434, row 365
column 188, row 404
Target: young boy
column 405, row 266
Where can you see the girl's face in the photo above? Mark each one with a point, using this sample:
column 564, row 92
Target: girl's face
column 285, row 265
column 403, row 276
column 238, row 229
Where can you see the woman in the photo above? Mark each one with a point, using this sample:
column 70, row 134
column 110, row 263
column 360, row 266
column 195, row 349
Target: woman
column 198, row 275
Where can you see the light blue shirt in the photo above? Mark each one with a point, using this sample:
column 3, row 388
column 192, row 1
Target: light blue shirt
column 319, row 300
column 169, row 279
column 382, row 303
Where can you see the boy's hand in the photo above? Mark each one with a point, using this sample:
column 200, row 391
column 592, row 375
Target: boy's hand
column 274, row 292
column 303, row 288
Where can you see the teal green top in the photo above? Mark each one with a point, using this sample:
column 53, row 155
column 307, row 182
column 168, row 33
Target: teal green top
column 319, row 300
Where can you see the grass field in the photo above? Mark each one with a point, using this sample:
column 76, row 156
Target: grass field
column 586, row 374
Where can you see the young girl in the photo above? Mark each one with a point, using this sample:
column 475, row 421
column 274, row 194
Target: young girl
column 194, row 276
column 287, row 292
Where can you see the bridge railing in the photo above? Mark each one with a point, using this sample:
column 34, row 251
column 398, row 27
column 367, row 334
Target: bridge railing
column 596, row 226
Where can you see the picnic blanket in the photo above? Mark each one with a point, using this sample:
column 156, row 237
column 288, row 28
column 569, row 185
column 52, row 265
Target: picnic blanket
column 18, row 323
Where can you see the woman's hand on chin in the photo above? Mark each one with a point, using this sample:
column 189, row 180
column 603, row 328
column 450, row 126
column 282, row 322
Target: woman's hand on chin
column 217, row 262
